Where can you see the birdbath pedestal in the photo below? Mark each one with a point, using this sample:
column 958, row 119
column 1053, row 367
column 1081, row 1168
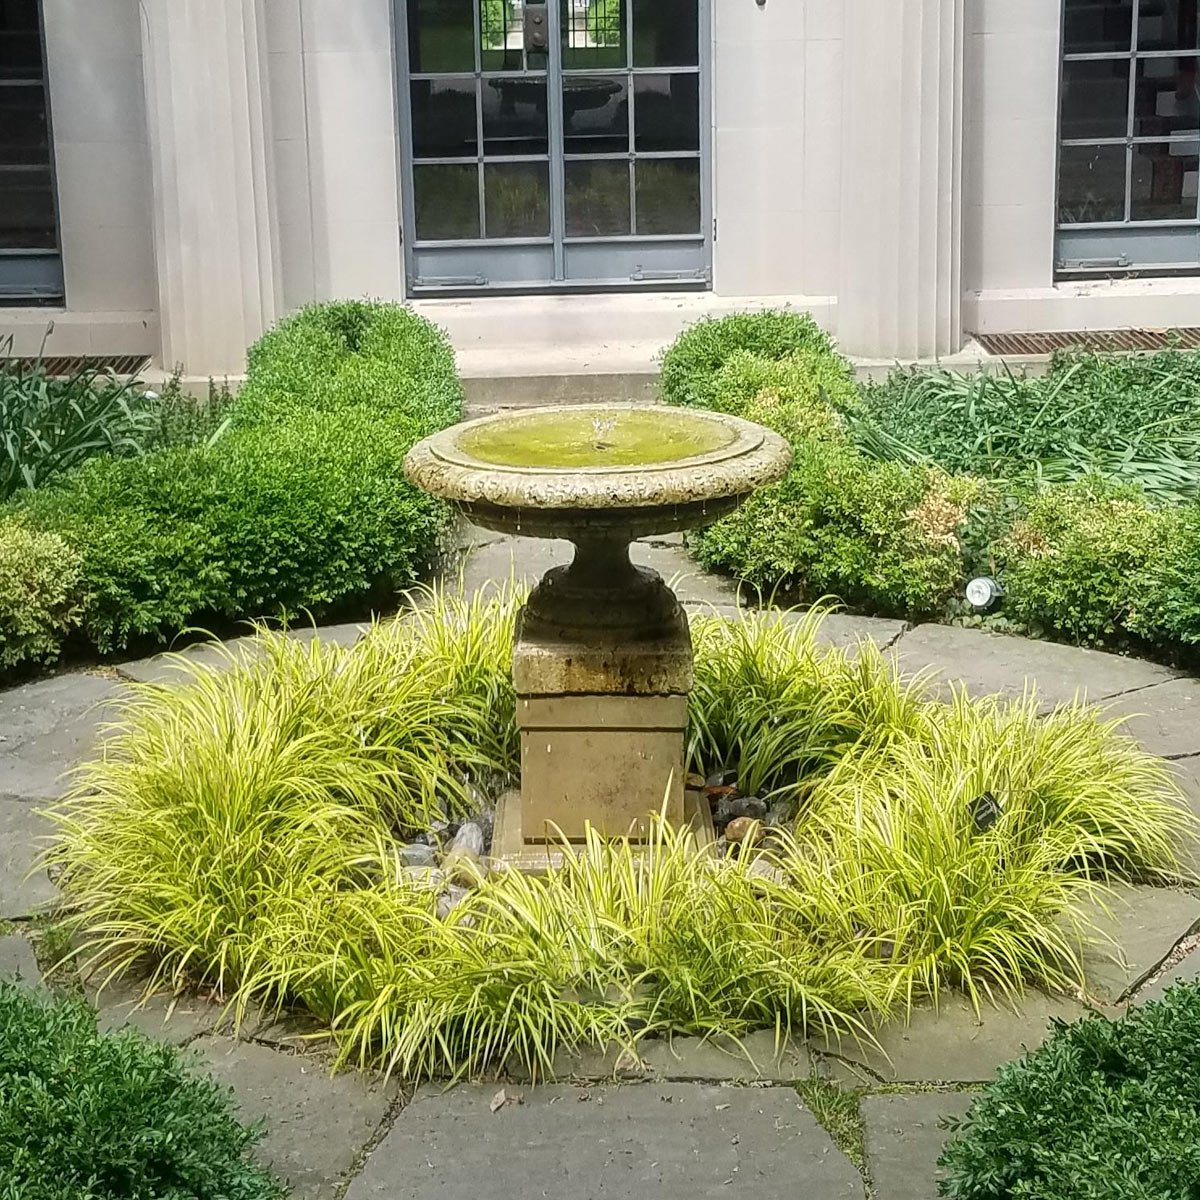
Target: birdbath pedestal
column 602, row 662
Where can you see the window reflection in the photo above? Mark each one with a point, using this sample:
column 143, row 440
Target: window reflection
column 1095, row 98
column 1091, row 184
column 1163, row 186
column 28, row 219
column 1096, row 26
column 596, row 114
column 1168, row 24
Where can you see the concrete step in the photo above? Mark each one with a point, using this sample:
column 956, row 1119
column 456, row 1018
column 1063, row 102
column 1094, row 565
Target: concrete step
column 489, row 395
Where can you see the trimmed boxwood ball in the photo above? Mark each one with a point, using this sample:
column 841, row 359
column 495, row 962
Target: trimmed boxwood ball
column 39, row 584
column 1105, row 1110
column 352, row 353
column 300, row 506
column 112, row 1117
column 690, row 366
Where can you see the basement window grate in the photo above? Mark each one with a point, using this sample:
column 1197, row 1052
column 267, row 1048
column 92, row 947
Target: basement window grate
column 118, row 364
column 1106, row 341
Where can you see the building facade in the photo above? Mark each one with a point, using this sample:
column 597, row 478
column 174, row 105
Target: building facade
column 175, row 175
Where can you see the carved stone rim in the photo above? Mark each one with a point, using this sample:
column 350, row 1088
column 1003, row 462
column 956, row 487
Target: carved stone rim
column 757, row 456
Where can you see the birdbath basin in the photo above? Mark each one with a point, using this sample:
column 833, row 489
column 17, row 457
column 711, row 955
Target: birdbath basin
column 603, row 657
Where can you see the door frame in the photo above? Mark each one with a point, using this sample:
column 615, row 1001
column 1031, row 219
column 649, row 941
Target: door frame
column 416, row 289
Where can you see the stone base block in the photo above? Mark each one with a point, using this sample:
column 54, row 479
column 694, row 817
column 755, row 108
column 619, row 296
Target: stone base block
column 607, row 761
column 511, row 851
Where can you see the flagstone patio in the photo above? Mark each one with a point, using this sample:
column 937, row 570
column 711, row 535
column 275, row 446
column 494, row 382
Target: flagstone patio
column 691, row 1119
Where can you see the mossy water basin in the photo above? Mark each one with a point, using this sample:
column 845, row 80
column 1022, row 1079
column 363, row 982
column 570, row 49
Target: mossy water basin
column 595, row 438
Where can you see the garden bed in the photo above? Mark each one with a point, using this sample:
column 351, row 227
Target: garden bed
column 292, row 503
column 1077, row 491
column 283, row 833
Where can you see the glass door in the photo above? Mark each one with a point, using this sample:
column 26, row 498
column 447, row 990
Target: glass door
column 555, row 145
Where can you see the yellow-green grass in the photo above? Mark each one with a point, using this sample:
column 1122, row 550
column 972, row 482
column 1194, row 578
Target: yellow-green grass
column 241, row 833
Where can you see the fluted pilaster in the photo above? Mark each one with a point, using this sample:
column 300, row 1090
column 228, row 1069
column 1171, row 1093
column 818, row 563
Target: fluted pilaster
column 208, row 120
column 900, row 292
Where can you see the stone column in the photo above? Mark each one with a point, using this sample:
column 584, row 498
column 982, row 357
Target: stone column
column 900, row 289
column 208, row 120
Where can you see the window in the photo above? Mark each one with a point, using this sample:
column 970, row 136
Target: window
column 29, row 258
column 1129, row 129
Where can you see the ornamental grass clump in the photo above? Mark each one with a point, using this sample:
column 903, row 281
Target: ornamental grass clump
column 244, row 833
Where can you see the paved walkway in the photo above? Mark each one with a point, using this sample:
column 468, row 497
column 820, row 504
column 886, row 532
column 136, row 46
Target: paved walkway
column 824, row 1119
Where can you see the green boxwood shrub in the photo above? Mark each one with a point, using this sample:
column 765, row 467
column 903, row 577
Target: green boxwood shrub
column 111, row 1117
column 691, row 365
column 1074, row 565
column 351, row 354
column 892, row 529
column 301, row 504
column 879, row 536
column 1105, row 1110
column 39, row 594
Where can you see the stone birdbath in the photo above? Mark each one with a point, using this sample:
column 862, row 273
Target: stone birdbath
column 603, row 658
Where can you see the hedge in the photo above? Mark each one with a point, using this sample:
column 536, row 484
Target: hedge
column 301, row 505
column 112, row 1117
column 1104, row 1110
column 880, row 536
column 1091, row 561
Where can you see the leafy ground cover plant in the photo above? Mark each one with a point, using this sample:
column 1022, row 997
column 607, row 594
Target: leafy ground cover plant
column 111, row 1117
column 1128, row 418
column 288, row 498
column 1104, row 1110
column 245, row 832
column 51, row 424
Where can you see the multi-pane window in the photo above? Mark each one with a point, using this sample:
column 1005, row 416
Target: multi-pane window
column 556, row 142
column 1129, row 160
column 29, row 265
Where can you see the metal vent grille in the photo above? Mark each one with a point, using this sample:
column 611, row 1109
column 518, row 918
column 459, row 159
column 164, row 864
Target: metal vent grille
column 70, row 364
column 1107, row 341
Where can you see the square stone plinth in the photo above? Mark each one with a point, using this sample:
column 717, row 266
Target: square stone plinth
column 603, row 725
column 607, row 761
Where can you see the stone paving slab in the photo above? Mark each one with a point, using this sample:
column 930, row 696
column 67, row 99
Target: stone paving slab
column 164, row 1018
column 1187, row 970
column 990, row 663
column 669, row 1142
column 905, row 1136
column 1144, row 924
column 46, row 729
column 317, row 1126
column 17, row 962
column 950, row 1044
column 24, row 834
column 1165, row 719
column 755, row 1058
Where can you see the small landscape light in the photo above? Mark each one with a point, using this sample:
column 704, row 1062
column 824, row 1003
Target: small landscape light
column 983, row 592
